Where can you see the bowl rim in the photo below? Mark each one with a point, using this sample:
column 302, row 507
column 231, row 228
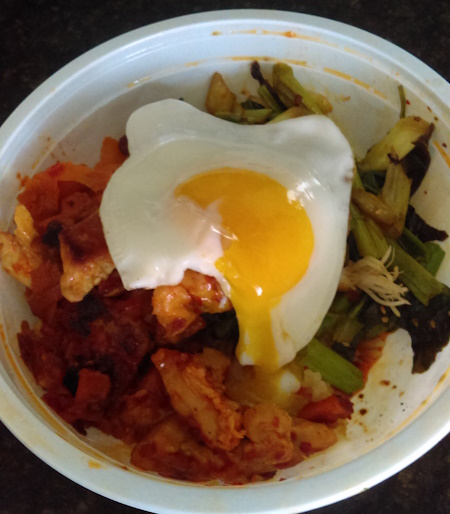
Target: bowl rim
column 281, row 497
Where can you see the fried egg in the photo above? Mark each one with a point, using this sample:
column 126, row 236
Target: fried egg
column 263, row 209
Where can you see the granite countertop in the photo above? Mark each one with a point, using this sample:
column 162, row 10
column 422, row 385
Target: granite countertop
column 38, row 37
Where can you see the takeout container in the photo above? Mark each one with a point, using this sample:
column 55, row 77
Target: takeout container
column 399, row 416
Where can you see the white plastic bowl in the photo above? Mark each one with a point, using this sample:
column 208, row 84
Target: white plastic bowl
column 68, row 116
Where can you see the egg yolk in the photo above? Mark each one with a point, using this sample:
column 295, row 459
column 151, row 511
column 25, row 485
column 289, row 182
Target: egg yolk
column 267, row 242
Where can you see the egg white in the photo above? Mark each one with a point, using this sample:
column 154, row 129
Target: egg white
column 153, row 238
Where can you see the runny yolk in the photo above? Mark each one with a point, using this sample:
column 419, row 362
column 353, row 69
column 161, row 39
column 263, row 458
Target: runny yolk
column 267, row 244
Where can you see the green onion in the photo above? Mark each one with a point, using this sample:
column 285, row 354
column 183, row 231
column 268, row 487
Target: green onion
column 413, row 245
column 228, row 116
column 252, row 104
column 354, row 313
column 341, row 304
column 395, row 194
column 429, row 254
column 368, row 235
column 290, row 90
column 376, row 330
column 254, row 116
column 347, row 329
column 374, row 207
column 357, row 182
column 373, row 181
column 434, row 258
column 414, row 276
column 399, row 142
column 266, row 95
column 333, row 368
column 326, row 329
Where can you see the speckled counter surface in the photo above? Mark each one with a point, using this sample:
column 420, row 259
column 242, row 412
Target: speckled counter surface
column 39, row 37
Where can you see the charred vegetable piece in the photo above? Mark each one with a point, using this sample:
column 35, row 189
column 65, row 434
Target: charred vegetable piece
column 266, row 90
column 417, row 162
column 290, row 90
column 420, row 228
column 429, row 328
column 398, row 142
column 388, row 208
column 378, row 320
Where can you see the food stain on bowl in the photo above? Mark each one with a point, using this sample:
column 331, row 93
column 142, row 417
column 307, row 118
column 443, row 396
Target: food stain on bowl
column 356, row 81
column 285, row 34
column 93, row 464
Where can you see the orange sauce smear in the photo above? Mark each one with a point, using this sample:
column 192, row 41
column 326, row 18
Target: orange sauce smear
column 356, row 81
column 442, row 152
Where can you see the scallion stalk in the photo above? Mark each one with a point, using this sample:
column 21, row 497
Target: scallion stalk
column 270, row 101
column 347, row 329
column 435, row 256
column 414, row 276
column 368, row 235
column 333, row 368
column 395, row 195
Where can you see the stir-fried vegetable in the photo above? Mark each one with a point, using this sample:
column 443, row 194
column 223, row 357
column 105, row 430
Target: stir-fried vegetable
column 418, row 280
column 395, row 195
column 398, row 142
column 292, row 93
column 368, row 236
column 284, row 99
column 333, row 368
column 429, row 254
column 393, row 256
